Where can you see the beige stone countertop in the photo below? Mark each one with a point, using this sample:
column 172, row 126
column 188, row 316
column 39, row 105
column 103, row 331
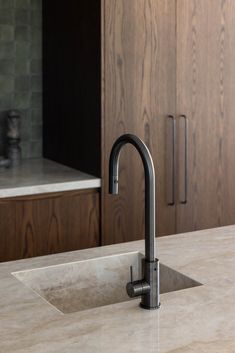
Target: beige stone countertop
column 39, row 176
column 199, row 319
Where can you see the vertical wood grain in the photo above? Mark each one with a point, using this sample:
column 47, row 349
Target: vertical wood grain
column 205, row 93
column 138, row 94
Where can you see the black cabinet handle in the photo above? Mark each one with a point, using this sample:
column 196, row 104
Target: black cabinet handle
column 184, row 197
column 171, row 194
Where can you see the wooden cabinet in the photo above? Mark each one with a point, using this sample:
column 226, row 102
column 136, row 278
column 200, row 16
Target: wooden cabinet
column 50, row 223
column 139, row 69
column 160, row 69
column 171, row 63
column 205, row 95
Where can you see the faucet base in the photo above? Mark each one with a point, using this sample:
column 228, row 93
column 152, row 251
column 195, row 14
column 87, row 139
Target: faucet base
column 149, row 308
column 151, row 300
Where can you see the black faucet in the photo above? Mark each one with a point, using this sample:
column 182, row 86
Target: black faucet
column 148, row 287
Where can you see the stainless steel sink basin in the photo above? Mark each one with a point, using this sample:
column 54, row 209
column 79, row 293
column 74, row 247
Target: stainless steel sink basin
column 82, row 285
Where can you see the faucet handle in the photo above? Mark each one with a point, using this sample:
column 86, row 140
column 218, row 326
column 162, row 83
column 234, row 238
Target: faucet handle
column 136, row 288
column 131, row 273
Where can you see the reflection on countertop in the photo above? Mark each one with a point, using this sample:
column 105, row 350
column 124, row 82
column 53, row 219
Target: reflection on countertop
column 37, row 176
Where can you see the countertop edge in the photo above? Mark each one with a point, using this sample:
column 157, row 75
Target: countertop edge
column 50, row 188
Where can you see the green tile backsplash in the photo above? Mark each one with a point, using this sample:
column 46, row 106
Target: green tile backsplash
column 21, row 71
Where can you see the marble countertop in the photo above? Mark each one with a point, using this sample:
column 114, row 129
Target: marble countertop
column 199, row 319
column 38, row 176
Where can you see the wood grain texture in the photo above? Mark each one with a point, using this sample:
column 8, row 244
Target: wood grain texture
column 138, row 94
column 47, row 224
column 205, row 93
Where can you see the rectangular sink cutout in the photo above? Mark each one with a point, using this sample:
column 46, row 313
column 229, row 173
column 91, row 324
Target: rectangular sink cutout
column 87, row 284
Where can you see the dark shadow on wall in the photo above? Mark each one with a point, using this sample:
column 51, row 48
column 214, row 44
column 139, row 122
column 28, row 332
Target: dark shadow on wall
column 3, row 120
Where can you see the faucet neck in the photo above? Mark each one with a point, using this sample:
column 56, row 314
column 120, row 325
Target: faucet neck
column 149, row 185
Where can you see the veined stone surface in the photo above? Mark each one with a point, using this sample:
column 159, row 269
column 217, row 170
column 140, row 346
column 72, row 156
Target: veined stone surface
column 199, row 319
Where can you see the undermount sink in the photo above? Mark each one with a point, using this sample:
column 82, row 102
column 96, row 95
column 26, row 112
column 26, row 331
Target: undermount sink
column 87, row 284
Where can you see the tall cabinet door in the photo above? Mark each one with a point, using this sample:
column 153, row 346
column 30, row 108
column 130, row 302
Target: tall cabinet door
column 138, row 95
column 205, row 98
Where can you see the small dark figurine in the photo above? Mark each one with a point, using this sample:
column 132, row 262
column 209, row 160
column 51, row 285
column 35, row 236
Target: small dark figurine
column 13, row 138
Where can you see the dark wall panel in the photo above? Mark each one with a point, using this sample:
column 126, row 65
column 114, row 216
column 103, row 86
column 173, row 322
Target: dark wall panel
column 72, row 83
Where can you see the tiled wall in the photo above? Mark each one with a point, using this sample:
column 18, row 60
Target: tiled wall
column 21, row 70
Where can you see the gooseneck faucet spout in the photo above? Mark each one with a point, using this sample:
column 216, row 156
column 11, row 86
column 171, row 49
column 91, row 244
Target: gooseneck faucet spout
column 149, row 185
column 148, row 287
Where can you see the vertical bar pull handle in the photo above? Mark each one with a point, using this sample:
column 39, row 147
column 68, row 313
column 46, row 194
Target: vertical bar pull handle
column 183, row 194
column 170, row 172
